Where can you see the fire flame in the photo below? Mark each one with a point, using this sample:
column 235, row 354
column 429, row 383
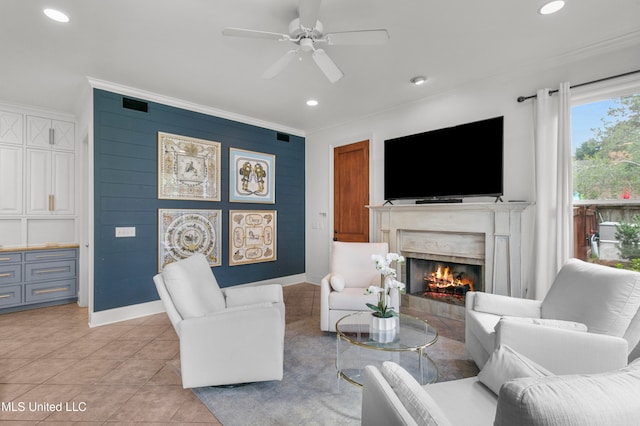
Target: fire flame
column 443, row 277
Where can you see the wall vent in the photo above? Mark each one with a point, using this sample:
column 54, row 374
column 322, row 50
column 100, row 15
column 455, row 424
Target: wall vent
column 282, row 137
column 135, row 104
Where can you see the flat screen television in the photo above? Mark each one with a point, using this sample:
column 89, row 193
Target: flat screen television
column 446, row 164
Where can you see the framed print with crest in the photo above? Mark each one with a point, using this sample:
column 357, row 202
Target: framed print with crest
column 251, row 177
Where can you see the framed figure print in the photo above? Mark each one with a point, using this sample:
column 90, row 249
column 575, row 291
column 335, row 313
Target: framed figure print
column 252, row 235
column 251, row 177
column 188, row 168
column 183, row 232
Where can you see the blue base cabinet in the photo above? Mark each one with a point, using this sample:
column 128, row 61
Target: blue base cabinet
column 36, row 277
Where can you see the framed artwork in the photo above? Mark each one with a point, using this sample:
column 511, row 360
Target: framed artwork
column 188, row 168
column 183, row 232
column 251, row 177
column 252, row 235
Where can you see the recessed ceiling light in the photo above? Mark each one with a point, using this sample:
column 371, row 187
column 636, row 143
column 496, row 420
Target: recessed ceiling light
column 418, row 80
column 56, row 15
column 312, row 102
column 551, row 7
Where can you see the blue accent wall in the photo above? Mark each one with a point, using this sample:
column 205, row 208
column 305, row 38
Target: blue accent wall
column 126, row 188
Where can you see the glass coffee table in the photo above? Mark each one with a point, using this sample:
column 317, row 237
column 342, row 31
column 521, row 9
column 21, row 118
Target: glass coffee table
column 359, row 345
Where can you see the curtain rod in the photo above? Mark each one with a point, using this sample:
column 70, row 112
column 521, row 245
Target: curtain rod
column 551, row 92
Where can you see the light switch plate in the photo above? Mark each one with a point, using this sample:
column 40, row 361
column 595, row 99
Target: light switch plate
column 125, row 232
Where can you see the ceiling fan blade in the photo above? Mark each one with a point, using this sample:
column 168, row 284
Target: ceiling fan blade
column 240, row 32
column 279, row 65
column 363, row 37
column 308, row 13
column 327, row 66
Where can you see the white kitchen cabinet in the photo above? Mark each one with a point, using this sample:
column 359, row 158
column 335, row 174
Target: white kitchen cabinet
column 11, row 127
column 50, row 182
column 44, row 132
column 10, row 179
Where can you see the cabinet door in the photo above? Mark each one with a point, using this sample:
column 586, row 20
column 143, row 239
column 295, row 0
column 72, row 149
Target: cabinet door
column 56, row 134
column 10, row 127
column 62, row 176
column 38, row 181
column 10, row 179
column 38, row 131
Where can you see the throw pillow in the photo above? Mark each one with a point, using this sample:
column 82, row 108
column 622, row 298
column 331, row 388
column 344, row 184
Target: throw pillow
column 423, row 409
column 506, row 364
column 565, row 325
column 337, row 282
column 609, row 398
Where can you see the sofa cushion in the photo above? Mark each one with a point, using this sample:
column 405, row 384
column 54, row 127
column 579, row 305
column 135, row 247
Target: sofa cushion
column 351, row 299
column 506, row 364
column 192, row 286
column 609, row 398
column 603, row 298
column 337, row 282
column 415, row 399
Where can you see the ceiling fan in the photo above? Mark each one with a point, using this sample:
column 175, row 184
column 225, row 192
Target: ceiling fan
column 306, row 31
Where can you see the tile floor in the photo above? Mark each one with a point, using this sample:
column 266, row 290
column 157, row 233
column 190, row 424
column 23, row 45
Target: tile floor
column 55, row 369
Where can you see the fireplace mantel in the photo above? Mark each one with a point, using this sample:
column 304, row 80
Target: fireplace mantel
column 503, row 226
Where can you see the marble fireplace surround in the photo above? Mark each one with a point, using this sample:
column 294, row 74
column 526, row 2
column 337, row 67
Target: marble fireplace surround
column 494, row 235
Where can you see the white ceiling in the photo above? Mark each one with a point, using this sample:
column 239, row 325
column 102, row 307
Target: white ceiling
column 175, row 48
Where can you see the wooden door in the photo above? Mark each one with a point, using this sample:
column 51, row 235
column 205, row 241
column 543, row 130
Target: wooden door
column 351, row 192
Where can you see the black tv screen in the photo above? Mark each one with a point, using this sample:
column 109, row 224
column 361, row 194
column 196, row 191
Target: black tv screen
column 454, row 162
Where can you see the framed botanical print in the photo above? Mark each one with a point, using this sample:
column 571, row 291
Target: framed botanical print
column 251, row 177
column 183, row 232
column 252, row 235
column 188, row 168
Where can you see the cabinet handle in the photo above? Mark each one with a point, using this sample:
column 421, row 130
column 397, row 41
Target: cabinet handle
column 42, row 256
column 53, row 202
column 50, row 271
column 5, row 296
column 51, row 136
column 5, row 275
column 51, row 290
column 5, row 258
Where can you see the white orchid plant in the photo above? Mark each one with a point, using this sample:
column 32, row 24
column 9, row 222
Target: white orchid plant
column 388, row 281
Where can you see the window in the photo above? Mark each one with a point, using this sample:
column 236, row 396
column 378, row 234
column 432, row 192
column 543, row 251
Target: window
column 605, row 139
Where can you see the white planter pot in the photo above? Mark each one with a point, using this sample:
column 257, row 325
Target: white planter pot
column 383, row 324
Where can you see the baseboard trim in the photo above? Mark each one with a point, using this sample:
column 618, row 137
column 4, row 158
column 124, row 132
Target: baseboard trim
column 111, row 316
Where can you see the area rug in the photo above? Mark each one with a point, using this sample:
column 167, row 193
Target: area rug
column 310, row 393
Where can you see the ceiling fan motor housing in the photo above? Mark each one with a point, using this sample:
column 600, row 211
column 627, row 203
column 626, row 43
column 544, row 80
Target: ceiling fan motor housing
column 296, row 30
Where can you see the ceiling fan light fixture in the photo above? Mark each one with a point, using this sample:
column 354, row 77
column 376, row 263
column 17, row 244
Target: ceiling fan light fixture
column 56, row 15
column 418, row 80
column 551, row 7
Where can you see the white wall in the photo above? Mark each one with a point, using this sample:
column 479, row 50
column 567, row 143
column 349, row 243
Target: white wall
column 483, row 99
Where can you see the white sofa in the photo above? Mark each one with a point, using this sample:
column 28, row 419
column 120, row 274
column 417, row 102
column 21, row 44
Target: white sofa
column 342, row 291
column 227, row 336
column 591, row 313
column 510, row 390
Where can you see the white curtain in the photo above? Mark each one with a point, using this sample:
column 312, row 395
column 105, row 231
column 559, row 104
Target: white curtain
column 553, row 241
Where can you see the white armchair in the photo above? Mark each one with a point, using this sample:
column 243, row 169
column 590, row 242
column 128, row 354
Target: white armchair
column 228, row 336
column 352, row 272
column 590, row 315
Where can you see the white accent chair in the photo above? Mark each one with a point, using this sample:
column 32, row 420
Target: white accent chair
column 591, row 313
column 227, row 336
column 352, row 271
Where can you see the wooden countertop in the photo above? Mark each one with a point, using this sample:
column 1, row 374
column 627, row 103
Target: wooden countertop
column 51, row 246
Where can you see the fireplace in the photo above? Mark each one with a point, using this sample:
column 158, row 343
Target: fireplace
column 443, row 281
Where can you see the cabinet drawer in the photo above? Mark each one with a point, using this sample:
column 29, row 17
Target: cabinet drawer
column 10, row 295
column 40, row 292
column 50, row 270
column 10, row 274
column 10, row 258
column 44, row 255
